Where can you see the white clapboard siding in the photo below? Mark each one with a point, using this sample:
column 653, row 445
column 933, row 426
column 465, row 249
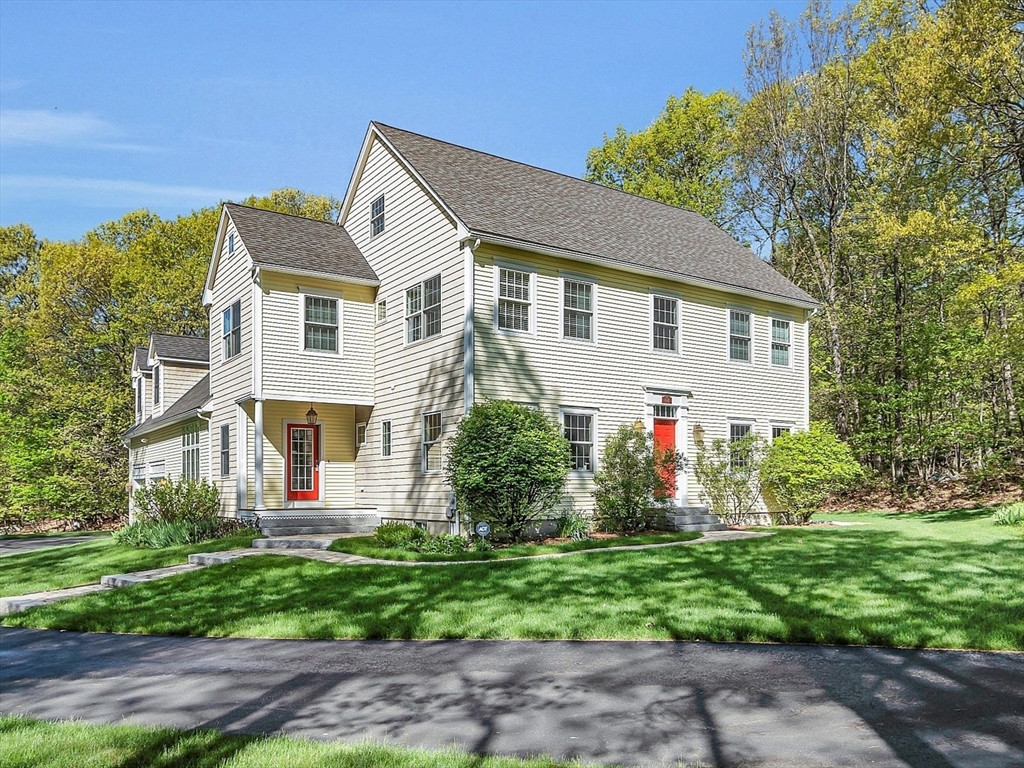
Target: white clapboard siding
column 609, row 376
column 178, row 379
column 164, row 445
column 292, row 372
column 419, row 242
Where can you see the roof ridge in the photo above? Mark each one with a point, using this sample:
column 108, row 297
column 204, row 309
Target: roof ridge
column 281, row 213
column 178, row 336
column 593, row 184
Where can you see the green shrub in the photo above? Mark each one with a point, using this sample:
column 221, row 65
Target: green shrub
column 631, row 480
column 399, row 535
column 507, row 465
column 572, row 524
column 443, row 544
column 729, row 476
column 1010, row 515
column 182, row 500
column 160, row 534
column 802, row 469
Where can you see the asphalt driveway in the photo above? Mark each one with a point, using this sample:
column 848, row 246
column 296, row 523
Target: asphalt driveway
column 19, row 545
column 649, row 703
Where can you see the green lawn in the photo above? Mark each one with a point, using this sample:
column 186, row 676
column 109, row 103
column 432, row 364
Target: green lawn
column 950, row 579
column 25, row 742
column 85, row 563
column 367, row 547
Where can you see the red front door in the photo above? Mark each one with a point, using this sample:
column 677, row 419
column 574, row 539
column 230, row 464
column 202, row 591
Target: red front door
column 665, row 440
column 303, row 465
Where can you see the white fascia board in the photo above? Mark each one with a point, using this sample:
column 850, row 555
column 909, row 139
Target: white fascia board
column 193, row 414
column 596, row 260
column 218, row 244
column 296, row 397
column 274, row 268
column 183, row 361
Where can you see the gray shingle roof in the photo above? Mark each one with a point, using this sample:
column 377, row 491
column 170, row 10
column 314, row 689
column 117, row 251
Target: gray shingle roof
column 281, row 240
column 141, row 360
column 492, row 195
column 193, row 348
column 184, row 406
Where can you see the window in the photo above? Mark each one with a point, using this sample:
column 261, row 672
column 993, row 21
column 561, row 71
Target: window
column 360, row 434
column 385, row 438
column 514, row 300
column 232, row 330
column 382, row 310
column 157, row 471
column 138, row 399
column 139, row 473
column 779, row 431
column 579, row 431
column 225, row 450
column 737, row 455
column 156, row 384
column 190, row 451
column 377, row 216
column 431, row 442
column 231, row 243
column 665, row 323
column 423, row 310
column 780, row 341
column 665, row 411
column 739, row 335
column 320, row 324
column 577, row 310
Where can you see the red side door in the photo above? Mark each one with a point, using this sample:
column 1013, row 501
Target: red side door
column 303, row 466
column 665, row 440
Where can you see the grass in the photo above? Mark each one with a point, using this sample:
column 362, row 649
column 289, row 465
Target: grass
column 936, row 580
column 26, row 742
column 85, row 563
column 367, row 546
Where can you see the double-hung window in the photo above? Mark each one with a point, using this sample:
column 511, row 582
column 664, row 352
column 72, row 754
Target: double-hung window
column 738, row 452
column 156, row 384
column 385, row 438
column 225, row 450
column 515, row 300
column 231, row 330
column 578, row 299
column 781, row 330
column 377, row 216
column 423, row 310
column 665, row 323
column 382, row 310
column 190, row 451
column 778, row 431
column 739, row 335
column 579, row 431
column 432, row 442
column 321, row 323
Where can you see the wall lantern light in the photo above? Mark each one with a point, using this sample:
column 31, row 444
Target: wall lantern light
column 311, row 415
column 638, row 426
column 698, row 434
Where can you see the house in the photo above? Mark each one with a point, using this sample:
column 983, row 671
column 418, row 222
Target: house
column 342, row 356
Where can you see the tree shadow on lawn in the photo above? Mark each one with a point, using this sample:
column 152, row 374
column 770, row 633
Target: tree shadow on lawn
column 845, row 587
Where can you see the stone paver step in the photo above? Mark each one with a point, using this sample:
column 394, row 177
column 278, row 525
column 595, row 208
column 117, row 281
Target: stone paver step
column 34, row 599
column 295, row 542
column 139, row 577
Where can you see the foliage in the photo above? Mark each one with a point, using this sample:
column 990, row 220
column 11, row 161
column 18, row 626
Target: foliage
column 170, row 501
column 399, row 535
column 508, row 465
column 1012, row 515
column 729, row 477
column 160, row 534
column 573, row 524
column 681, row 159
column 631, row 480
column 443, row 544
column 802, row 469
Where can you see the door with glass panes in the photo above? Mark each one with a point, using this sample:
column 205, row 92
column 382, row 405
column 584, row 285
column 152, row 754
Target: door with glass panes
column 303, row 462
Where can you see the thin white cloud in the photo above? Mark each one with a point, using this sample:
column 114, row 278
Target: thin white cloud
column 62, row 129
column 109, row 192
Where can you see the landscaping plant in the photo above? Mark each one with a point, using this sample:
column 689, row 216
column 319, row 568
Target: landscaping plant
column 1012, row 515
column 170, row 514
column 507, row 465
column 399, row 535
column 729, row 477
column 802, row 469
column 632, row 480
column 573, row 524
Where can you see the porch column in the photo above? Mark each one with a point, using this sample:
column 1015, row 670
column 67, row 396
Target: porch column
column 683, row 472
column 258, row 452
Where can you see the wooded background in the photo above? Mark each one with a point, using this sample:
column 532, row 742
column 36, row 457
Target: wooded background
column 877, row 161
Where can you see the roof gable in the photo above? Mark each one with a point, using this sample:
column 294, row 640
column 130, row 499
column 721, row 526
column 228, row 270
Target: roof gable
column 534, row 208
column 189, row 349
column 182, row 409
column 140, row 360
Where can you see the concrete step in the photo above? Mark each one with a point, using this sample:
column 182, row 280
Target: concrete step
column 294, row 542
column 692, row 519
column 140, row 577
column 217, row 558
column 315, row 529
column 702, row 527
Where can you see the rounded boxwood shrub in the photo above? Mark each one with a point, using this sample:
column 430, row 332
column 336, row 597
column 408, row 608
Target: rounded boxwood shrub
column 802, row 469
column 507, row 465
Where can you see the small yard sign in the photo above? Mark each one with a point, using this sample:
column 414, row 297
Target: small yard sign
column 482, row 529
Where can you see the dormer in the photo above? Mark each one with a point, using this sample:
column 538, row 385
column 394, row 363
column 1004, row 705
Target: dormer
column 176, row 364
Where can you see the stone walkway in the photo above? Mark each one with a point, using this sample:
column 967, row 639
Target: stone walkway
column 195, row 562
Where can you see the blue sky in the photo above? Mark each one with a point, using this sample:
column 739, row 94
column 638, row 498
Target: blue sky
column 109, row 107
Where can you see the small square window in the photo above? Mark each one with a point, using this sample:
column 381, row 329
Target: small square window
column 739, row 335
column 779, row 431
column 377, row 216
column 385, row 438
column 360, row 434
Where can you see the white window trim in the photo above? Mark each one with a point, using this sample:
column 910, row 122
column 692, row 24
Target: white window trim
column 231, row 242
column 223, row 351
column 679, row 322
column 594, row 459
column 525, row 269
column 577, row 278
column 381, row 302
column 751, row 430
column 729, row 309
column 158, row 388
column 383, row 216
column 364, row 427
column 391, row 439
column 223, row 448
column 423, row 443
column 405, row 311
column 787, row 425
column 771, row 337
column 321, row 293
column 190, row 446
